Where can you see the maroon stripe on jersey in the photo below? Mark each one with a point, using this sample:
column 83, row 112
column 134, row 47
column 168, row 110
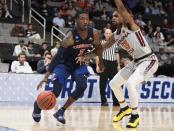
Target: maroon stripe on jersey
column 140, row 39
column 150, row 65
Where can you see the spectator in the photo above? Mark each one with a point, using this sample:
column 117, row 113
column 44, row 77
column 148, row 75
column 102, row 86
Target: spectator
column 71, row 11
column 64, row 10
column 54, row 50
column 140, row 21
column 44, row 9
column 69, row 22
column 158, row 38
column 165, row 24
column 44, row 48
column 169, row 41
column 163, row 57
column 21, row 66
column 20, row 48
column 58, row 20
column 31, row 34
column 18, row 31
column 4, row 12
column 42, row 65
column 31, row 51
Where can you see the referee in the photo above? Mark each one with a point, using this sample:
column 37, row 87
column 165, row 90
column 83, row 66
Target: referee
column 111, row 62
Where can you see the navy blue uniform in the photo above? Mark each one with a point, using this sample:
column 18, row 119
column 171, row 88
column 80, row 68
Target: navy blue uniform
column 64, row 64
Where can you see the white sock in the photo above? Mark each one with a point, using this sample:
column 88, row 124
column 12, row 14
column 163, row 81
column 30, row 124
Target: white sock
column 135, row 111
column 123, row 104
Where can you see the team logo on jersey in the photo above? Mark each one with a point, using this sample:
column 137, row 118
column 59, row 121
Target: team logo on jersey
column 122, row 39
column 77, row 38
column 126, row 46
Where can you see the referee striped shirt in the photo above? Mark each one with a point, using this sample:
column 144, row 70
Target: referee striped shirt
column 109, row 53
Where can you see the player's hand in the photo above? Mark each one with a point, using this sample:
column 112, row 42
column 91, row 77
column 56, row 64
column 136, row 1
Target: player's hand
column 100, row 67
column 81, row 60
column 41, row 83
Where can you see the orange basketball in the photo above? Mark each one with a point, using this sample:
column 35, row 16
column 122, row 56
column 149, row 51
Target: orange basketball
column 46, row 100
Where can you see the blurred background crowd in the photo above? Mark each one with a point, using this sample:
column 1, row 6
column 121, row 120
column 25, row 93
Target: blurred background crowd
column 155, row 18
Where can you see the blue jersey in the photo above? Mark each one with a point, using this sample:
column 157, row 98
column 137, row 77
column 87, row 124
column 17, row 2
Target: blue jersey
column 79, row 48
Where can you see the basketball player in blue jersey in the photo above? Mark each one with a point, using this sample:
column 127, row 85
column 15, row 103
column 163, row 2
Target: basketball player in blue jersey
column 81, row 40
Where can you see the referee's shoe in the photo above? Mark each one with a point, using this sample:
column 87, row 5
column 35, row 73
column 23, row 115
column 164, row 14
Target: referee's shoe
column 134, row 121
column 122, row 113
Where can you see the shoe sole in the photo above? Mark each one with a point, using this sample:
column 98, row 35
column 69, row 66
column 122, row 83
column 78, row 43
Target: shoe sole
column 131, row 126
column 58, row 119
column 128, row 126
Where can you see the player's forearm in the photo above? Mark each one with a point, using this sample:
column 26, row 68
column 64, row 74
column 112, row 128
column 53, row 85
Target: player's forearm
column 47, row 74
column 96, row 60
column 99, row 53
column 106, row 45
column 120, row 5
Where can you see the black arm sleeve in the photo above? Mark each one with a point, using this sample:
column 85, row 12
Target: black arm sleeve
column 57, row 59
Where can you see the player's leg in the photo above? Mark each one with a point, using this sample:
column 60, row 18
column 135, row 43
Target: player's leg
column 80, row 77
column 119, row 79
column 59, row 77
column 112, row 72
column 143, row 70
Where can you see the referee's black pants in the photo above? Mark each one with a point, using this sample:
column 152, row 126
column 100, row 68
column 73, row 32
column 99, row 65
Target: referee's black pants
column 109, row 72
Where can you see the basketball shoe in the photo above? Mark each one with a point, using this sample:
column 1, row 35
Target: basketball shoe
column 36, row 113
column 134, row 121
column 122, row 113
column 59, row 115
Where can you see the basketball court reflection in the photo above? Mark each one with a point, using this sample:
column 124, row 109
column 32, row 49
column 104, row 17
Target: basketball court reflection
column 87, row 117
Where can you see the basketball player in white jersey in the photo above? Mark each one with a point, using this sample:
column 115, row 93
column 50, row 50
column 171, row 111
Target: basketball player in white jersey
column 128, row 36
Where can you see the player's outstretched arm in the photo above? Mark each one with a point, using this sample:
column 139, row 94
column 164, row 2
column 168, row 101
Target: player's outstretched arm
column 109, row 42
column 127, row 17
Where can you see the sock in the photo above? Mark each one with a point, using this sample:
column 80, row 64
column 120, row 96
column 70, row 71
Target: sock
column 135, row 111
column 123, row 104
column 63, row 108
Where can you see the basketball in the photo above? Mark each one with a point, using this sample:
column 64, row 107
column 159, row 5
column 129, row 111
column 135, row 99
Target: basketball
column 46, row 100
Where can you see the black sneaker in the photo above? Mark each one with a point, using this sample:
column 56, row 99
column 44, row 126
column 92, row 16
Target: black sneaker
column 36, row 113
column 59, row 115
column 36, row 117
column 134, row 121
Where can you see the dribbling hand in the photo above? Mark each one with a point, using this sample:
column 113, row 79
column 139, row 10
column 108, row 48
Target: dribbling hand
column 81, row 60
column 41, row 83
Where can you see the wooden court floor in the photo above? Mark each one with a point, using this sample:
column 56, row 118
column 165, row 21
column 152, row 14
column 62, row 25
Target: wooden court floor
column 85, row 117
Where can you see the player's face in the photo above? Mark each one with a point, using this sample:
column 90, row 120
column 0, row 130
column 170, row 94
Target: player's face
column 116, row 18
column 83, row 21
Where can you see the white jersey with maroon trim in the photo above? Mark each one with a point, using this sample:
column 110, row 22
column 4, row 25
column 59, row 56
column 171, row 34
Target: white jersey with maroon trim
column 133, row 42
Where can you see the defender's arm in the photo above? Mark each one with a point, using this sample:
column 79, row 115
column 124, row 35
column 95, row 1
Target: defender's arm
column 127, row 17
